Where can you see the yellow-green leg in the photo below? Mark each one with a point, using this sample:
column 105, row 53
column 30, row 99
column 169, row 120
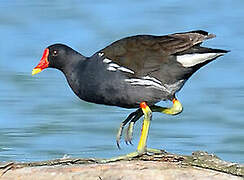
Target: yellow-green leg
column 141, row 148
column 175, row 109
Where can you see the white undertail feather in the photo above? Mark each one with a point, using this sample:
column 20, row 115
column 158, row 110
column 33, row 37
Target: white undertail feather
column 189, row 60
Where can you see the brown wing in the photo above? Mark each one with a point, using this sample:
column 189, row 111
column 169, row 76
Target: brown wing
column 144, row 53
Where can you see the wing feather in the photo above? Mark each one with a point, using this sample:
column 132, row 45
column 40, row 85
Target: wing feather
column 144, row 54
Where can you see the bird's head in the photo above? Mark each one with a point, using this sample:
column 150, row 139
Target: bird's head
column 55, row 56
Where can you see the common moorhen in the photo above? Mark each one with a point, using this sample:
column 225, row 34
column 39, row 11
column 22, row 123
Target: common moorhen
column 133, row 72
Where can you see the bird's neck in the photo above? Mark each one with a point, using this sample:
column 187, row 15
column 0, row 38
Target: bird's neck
column 72, row 72
column 72, row 64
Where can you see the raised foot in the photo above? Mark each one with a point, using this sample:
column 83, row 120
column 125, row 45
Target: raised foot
column 131, row 119
column 177, row 108
column 146, row 111
column 129, row 133
column 132, row 155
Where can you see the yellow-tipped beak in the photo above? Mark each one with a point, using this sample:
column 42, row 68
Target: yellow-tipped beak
column 36, row 70
column 42, row 64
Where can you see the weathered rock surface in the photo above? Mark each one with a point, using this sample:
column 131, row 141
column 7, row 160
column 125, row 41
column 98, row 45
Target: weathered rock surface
column 123, row 170
column 163, row 166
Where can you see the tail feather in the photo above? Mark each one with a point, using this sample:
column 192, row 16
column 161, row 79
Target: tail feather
column 198, row 55
column 197, row 36
column 206, row 34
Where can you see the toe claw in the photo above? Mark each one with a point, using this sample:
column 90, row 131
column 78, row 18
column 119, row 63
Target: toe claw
column 128, row 137
column 118, row 137
column 118, row 144
column 132, row 118
column 129, row 133
column 121, row 127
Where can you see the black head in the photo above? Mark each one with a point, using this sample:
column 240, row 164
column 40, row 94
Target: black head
column 57, row 56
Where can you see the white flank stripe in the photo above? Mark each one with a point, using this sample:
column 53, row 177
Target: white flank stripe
column 152, row 78
column 166, row 87
column 101, row 54
column 114, row 65
column 145, row 82
column 189, row 60
column 126, row 70
column 107, row 60
column 110, row 68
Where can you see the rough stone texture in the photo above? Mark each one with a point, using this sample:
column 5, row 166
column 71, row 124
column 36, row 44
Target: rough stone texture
column 156, row 165
column 121, row 170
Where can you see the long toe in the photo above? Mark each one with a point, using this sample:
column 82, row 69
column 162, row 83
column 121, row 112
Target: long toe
column 119, row 134
column 130, row 129
column 122, row 125
column 129, row 133
column 123, row 157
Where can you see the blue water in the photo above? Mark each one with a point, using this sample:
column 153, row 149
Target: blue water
column 41, row 118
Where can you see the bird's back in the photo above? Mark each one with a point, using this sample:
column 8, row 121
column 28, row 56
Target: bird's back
column 167, row 61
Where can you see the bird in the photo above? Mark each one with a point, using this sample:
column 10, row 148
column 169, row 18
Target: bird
column 134, row 72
